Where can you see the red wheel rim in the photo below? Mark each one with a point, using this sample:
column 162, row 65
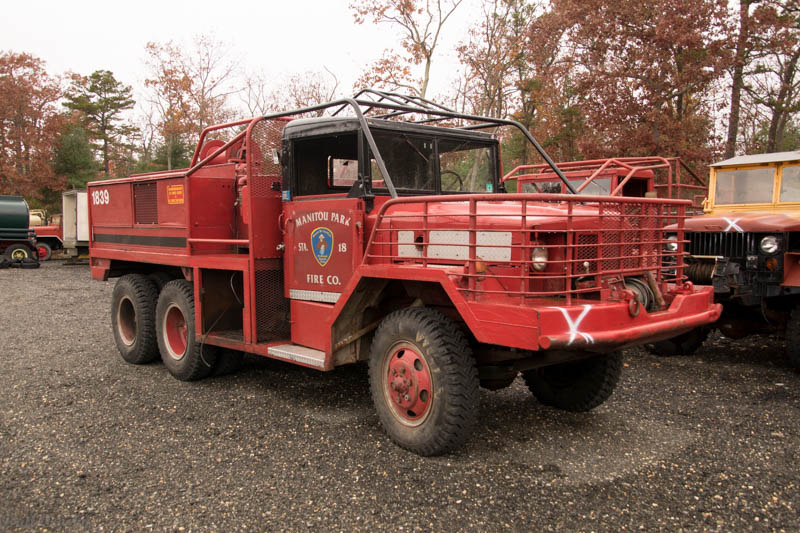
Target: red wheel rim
column 175, row 332
column 126, row 321
column 408, row 386
column 41, row 251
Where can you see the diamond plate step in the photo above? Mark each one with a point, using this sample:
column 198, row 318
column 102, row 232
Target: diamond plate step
column 299, row 354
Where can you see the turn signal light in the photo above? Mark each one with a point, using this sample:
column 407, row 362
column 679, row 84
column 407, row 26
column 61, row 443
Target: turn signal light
column 480, row 267
column 771, row 263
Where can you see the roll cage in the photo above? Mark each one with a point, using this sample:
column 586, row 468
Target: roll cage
column 374, row 111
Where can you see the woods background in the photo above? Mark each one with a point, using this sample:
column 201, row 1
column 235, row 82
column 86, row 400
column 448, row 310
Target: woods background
column 700, row 79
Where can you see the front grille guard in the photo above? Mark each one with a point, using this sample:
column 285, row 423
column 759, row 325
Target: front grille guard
column 486, row 242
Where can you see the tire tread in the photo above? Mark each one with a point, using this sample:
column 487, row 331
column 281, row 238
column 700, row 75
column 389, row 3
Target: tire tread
column 452, row 352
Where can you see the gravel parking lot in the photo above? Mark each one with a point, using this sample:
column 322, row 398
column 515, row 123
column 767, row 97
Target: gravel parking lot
column 88, row 442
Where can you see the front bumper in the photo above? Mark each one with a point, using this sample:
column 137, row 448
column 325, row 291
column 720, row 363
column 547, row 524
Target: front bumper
column 606, row 326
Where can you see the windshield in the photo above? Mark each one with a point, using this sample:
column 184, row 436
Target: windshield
column 463, row 165
column 744, row 186
column 790, row 184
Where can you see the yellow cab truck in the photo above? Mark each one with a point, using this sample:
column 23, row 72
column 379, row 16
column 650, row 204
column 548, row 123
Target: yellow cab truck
column 746, row 244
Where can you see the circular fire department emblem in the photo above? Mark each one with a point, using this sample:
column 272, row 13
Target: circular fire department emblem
column 322, row 244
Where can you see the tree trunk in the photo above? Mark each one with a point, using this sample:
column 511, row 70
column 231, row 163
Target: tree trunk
column 426, row 77
column 777, row 124
column 105, row 156
column 170, row 142
column 738, row 78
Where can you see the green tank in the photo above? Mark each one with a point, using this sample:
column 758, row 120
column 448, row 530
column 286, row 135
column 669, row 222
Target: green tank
column 13, row 218
column 17, row 240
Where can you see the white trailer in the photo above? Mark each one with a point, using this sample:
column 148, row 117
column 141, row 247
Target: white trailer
column 75, row 209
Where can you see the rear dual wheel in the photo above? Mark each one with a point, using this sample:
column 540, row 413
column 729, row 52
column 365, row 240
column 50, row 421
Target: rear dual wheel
column 146, row 323
column 186, row 357
column 133, row 304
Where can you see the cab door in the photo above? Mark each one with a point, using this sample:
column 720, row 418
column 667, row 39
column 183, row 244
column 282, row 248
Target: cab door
column 324, row 245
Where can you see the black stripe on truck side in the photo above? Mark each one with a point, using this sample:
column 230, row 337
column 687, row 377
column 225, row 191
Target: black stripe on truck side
column 143, row 240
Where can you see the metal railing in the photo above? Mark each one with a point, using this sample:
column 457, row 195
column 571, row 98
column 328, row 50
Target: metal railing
column 491, row 245
column 673, row 179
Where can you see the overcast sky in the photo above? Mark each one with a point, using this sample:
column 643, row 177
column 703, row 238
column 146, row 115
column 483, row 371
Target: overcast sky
column 278, row 37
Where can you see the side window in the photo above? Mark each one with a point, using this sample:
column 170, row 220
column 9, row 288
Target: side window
column 342, row 172
column 320, row 161
column 790, row 184
column 465, row 166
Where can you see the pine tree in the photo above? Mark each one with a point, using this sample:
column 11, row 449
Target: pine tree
column 101, row 99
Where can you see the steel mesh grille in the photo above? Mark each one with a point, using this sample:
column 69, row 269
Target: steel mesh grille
column 265, row 169
column 272, row 309
column 145, row 202
column 586, row 252
column 730, row 244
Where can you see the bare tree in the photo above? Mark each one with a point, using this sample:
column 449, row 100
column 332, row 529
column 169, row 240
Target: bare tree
column 294, row 91
column 420, row 23
column 211, row 71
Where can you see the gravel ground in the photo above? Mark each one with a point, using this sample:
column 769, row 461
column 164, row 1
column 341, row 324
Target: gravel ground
column 87, row 442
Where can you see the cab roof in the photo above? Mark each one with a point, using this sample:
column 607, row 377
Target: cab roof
column 755, row 159
column 310, row 127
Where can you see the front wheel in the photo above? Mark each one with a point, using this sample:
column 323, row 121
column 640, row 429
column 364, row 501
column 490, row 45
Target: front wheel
column 44, row 251
column 18, row 252
column 685, row 344
column 793, row 338
column 424, row 381
column 184, row 355
column 578, row 385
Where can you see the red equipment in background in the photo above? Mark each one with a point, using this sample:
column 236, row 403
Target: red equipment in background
column 657, row 177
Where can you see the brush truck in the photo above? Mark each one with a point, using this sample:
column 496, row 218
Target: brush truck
column 380, row 233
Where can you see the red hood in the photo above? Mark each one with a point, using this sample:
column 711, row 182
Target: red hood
column 505, row 214
column 758, row 221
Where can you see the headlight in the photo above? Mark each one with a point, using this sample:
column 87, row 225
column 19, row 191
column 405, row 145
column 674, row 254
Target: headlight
column 769, row 244
column 672, row 243
column 539, row 257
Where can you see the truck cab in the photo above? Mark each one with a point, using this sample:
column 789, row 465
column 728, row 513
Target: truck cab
column 380, row 236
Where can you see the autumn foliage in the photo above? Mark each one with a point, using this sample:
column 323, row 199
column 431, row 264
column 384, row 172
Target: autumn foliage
column 29, row 126
column 700, row 79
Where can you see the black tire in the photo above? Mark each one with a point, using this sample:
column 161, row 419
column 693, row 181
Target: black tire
column 160, row 279
column 793, row 338
column 4, row 263
column 44, row 250
column 497, row 383
column 133, row 304
column 228, row 362
column 18, row 252
column 184, row 355
column 686, row 344
column 29, row 263
column 576, row 386
column 437, row 399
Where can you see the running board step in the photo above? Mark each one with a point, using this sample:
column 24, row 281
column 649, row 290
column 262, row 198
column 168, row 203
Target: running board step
column 298, row 354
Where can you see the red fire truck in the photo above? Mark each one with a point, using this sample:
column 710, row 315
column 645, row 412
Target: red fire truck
column 376, row 233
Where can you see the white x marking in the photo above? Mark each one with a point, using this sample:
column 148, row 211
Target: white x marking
column 573, row 325
column 732, row 224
